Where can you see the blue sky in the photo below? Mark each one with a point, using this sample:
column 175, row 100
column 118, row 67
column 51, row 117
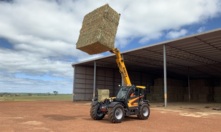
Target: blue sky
column 37, row 38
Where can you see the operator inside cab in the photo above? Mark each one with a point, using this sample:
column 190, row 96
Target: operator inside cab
column 132, row 94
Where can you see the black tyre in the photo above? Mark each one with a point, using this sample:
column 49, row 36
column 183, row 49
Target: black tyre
column 95, row 113
column 144, row 112
column 116, row 114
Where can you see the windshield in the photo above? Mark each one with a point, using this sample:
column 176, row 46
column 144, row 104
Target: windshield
column 122, row 93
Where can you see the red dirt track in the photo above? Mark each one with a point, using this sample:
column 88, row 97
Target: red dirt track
column 64, row 116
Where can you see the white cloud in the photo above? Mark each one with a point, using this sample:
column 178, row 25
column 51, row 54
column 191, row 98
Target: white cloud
column 146, row 18
column 43, row 33
column 15, row 62
column 175, row 34
column 201, row 29
column 151, row 36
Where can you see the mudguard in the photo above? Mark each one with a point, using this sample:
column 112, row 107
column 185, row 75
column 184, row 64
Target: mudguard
column 145, row 102
column 112, row 104
column 93, row 103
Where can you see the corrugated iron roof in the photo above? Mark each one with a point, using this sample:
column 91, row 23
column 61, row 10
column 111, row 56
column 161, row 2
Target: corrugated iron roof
column 197, row 55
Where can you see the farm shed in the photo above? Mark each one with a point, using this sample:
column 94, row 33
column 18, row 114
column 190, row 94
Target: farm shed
column 186, row 69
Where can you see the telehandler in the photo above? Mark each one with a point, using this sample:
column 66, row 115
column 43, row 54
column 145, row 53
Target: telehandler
column 129, row 100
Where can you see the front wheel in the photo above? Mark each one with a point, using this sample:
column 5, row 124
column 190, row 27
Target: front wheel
column 95, row 112
column 144, row 112
column 116, row 114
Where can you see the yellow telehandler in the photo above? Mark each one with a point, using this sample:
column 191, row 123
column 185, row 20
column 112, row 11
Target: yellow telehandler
column 129, row 100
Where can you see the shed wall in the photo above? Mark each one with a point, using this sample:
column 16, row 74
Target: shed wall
column 106, row 78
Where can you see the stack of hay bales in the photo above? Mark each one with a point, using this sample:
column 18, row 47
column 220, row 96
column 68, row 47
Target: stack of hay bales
column 158, row 90
column 217, row 94
column 199, row 90
column 175, row 90
column 103, row 94
column 98, row 30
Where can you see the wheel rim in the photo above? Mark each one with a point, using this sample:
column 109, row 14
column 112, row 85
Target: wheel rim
column 118, row 113
column 145, row 111
column 99, row 113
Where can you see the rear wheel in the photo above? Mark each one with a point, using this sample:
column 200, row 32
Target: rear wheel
column 144, row 112
column 95, row 112
column 116, row 114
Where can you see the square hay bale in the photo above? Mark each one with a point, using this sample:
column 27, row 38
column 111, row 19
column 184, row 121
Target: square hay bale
column 217, row 98
column 98, row 30
column 203, row 97
column 103, row 97
column 103, row 94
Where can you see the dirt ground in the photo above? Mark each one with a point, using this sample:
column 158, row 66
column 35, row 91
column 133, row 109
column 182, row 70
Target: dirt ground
column 64, row 116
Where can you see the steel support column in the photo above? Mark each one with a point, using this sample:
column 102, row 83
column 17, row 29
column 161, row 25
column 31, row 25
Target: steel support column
column 189, row 97
column 94, row 85
column 165, row 75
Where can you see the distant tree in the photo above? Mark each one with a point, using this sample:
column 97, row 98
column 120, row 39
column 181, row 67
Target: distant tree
column 55, row 92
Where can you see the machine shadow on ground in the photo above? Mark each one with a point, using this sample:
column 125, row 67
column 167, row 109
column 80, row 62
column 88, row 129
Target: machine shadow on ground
column 60, row 117
column 105, row 120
